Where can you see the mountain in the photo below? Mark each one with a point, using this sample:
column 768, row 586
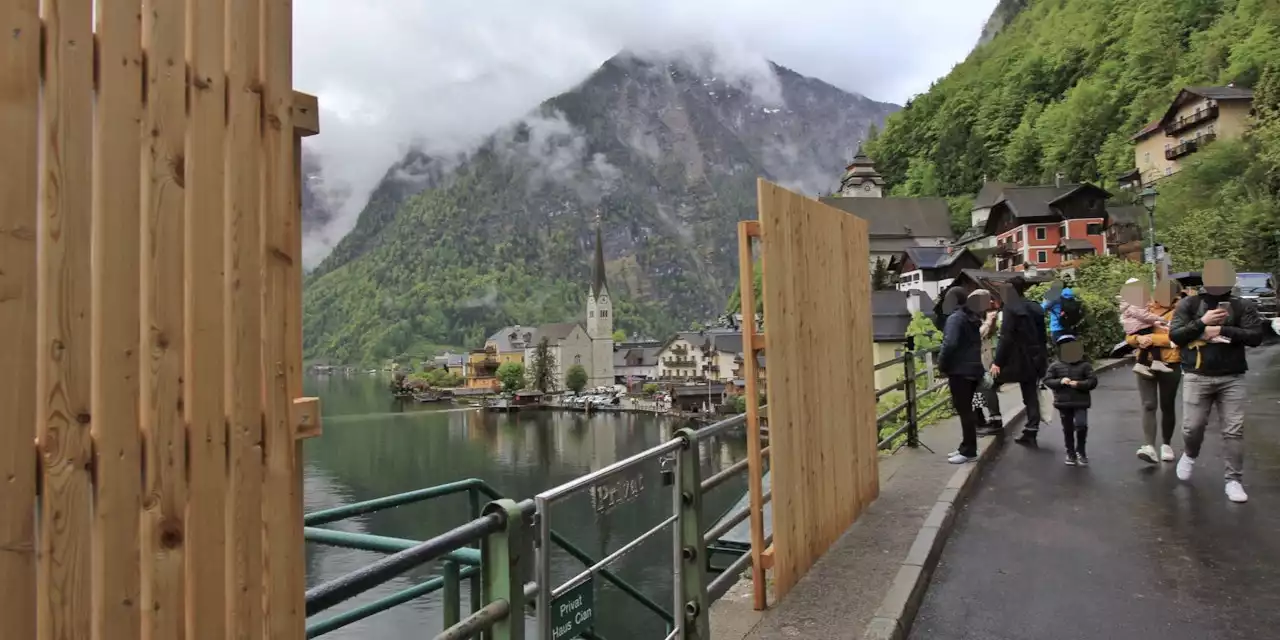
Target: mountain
column 665, row 153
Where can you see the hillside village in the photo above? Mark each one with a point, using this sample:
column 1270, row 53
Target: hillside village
column 1038, row 231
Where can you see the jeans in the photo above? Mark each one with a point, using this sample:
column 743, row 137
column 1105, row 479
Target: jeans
column 1160, row 391
column 1031, row 399
column 992, row 397
column 1199, row 395
column 962, row 390
column 1075, row 429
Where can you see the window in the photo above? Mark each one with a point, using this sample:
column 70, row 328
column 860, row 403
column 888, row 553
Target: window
column 1064, row 231
column 1167, row 146
column 1018, row 236
column 591, row 314
column 1146, row 158
column 604, row 313
column 1042, row 256
column 1168, row 171
column 577, row 359
column 1040, row 233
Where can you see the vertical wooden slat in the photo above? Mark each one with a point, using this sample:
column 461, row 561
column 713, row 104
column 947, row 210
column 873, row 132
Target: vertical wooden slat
column 206, row 566
column 64, row 329
column 116, row 201
column 284, row 617
column 163, row 390
column 747, row 230
column 19, row 117
column 243, row 323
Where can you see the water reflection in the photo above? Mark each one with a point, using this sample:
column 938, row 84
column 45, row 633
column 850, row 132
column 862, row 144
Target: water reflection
column 373, row 446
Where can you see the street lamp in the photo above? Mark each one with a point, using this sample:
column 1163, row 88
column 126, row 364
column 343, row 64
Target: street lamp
column 1148, row 196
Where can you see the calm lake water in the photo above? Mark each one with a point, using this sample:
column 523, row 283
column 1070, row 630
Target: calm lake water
column 374, row 446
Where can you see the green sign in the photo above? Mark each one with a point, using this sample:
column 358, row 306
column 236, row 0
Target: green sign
column 573, row 611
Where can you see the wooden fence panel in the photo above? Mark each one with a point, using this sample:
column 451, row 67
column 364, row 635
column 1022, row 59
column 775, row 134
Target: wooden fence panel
column 163, row 391
column 19, row 119
column 206, row 567
column 243, row 320
column 64, row 331
column 818, row 337
column 116, row 314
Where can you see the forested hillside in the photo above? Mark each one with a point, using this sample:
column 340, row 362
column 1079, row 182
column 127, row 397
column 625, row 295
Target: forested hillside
column 1063, row 86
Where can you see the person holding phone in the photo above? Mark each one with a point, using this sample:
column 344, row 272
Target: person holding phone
column 1213, row 330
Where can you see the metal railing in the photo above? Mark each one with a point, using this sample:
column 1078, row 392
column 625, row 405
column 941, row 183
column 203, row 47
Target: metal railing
column 914, row 391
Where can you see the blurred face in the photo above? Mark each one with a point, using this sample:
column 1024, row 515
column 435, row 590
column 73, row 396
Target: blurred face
column 979, row 302
column 1219, row 276
column 1166, row 293
column 1135, row 293
column 1072, row 351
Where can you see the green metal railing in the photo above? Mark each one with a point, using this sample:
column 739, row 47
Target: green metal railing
column 911, row 388
column 495, row 549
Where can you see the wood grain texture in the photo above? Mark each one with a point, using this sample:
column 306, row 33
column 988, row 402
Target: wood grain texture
column 283, row 531
column 164, row 393
column 19, row 117
column 748, row 231
column 64, row 329
column 206, row 567
column 116, row 317
column 821, row 385
column 242, row 259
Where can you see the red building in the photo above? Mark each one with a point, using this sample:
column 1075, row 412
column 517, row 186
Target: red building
column 1048, row 226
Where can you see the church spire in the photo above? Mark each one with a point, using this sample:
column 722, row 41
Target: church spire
column 861, row 178
column 598, row 283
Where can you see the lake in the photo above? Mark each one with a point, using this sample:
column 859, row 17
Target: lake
column 374, row 446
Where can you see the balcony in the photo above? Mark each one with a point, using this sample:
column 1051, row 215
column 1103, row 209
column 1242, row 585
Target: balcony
column 1188, row 147
column 1195, row 119
column 679, row 362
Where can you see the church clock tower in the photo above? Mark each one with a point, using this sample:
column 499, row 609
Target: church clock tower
column 861, row 180
column 600, row 320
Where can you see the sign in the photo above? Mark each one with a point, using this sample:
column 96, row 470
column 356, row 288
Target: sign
column 573, row 611
column 616, row 491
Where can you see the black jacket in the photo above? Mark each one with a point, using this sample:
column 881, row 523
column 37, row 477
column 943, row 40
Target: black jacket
column 1065, row 397
column 1021, row 352
column 961, row 352
column 1243, row 326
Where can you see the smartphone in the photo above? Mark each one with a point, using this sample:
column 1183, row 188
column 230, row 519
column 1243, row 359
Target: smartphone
column 1224, row 306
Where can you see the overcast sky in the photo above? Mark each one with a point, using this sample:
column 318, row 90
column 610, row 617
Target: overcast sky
column 446, row 72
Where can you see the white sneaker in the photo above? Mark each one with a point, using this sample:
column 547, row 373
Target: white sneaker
column 960, row 459
column 1147, row 453
column 1161, row 367
column 1166, row 453
column 1186, row 464
column 1143, row 370
column 1235, row 491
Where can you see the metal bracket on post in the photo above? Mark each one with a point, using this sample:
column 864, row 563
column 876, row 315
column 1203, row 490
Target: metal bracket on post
column 504, row 562
column 693, row 569
column 913, row 427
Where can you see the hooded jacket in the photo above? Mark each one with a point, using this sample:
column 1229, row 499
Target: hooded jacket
column 1054, row 310
column 1243, row 326
column 1021, row 353
column 1077, row 397
column 961, row 352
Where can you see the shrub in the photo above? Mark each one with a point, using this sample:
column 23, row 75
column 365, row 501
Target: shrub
column 649, row 389
column 576, row 378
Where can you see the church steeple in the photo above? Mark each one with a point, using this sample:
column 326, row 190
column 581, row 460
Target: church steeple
column 599, row 307
column 598, row 283
column 861, row 180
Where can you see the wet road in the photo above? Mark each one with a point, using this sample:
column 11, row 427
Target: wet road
column 1119, row 549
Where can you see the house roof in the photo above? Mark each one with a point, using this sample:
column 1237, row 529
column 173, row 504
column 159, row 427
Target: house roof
column 512, row 338
column 1208, row 93
column 1075, row 245
column 1149, row 129
column 898, row 217
column 990, row 280
column 695, row 338
column 554, row 333
column 647, row 357
column 727, row 342
column 990, row 194
column 925, row 257
column 1034, row 202
column 890, row 315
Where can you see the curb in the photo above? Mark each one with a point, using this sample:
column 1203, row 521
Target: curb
column 897, row 612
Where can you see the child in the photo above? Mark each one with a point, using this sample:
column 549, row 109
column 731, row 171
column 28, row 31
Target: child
column 1138, row 321
column 1071, row 378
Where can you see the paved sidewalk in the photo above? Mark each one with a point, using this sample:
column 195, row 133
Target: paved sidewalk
column 1119, row 549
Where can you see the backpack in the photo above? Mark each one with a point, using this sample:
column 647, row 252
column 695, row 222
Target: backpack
column 1071, row 314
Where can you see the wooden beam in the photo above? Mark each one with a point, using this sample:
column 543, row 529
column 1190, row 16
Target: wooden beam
column 306, row 114
column 306, row 418
column 747, row 230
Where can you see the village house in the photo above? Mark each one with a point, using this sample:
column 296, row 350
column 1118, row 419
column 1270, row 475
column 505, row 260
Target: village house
column 505, row 345
column 931, row 269
column 1048, row 226
column 1197, row 116
column 891, row 314
column 1127, row 232
column 740, row 374
column 893, row 224
column 976, row 236
column 636, row 363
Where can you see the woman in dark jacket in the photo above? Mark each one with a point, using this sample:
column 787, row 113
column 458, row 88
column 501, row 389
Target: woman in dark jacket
column 960, row 359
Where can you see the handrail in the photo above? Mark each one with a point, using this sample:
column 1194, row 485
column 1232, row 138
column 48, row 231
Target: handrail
column 911, row 404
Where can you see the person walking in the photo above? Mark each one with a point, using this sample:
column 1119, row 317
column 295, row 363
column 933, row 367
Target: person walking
column 1213, row 371
column 1021, row 356
column 960, row 359
column 1159, row 389
column 1072, row 380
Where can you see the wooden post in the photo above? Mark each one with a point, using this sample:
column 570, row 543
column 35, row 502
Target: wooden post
column 63, row 333
column 19, row 117
column 751, row 345
column 163, row 390
column 116, row 239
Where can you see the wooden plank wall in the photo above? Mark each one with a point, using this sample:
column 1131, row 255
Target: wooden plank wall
column 150, row 294
column 822, row 432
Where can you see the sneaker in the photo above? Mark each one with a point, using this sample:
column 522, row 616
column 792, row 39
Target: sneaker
column 1143, row 370
column 1070, row 461
column 1186, row 464
column 1166, row 453
column 958, row 458
column 1082, row 459
column 1147, row 454
column 1235, row 491
column 1161, row 367
column 1027, row 437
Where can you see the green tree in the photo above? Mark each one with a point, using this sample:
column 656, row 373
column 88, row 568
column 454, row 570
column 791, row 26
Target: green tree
column 649, row 388
column 619, row 335
column 511, row 375
column 542, row 367
column 881, row 279
column 576, row 378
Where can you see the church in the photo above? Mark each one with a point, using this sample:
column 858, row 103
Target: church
column 572, row 343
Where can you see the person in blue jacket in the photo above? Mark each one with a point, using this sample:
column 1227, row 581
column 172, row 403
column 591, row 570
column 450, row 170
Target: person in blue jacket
column 1063, row 311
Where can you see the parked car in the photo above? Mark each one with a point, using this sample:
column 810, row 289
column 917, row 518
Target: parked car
column 1259, row 288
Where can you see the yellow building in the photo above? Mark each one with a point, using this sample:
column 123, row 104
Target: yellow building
column 1197, row 116
column 506, row 345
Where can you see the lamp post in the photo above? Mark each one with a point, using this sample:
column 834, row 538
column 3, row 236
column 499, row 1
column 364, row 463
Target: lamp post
column 1148, row 196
